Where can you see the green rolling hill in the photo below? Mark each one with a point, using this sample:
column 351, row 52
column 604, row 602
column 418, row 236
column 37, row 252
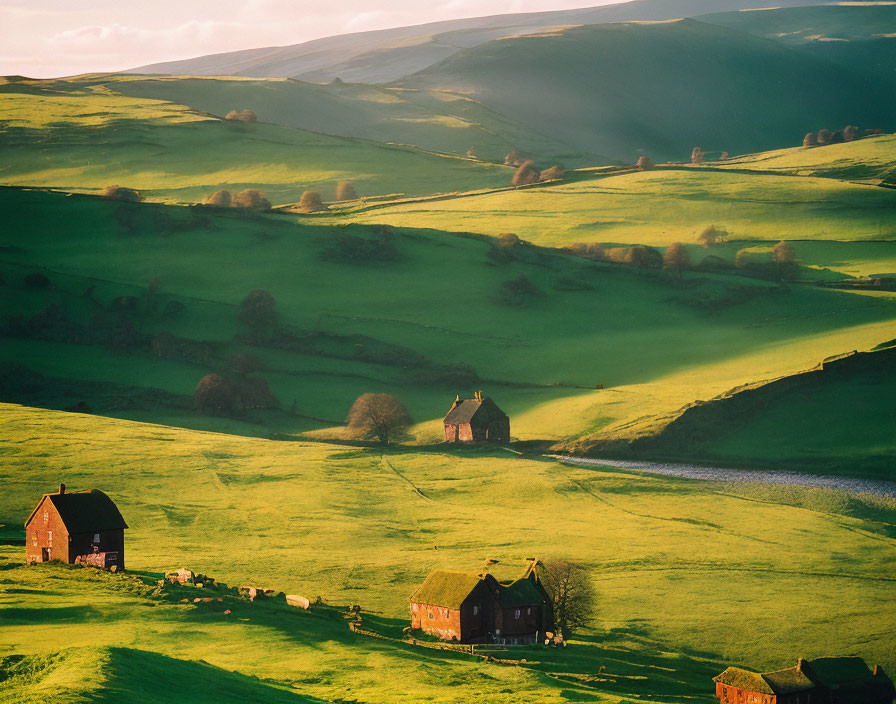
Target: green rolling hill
column 83, row 135
column 662, row 88
column 434, row 120
column 676, row 565
column 387, row 55
column 859, row 35
column 142, row 301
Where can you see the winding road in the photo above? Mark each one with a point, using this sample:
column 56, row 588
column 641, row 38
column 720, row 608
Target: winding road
column 764, row 476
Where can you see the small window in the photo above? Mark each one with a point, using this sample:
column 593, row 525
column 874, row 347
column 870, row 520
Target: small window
column 529, row 611
column 50, row 538
column 414, row 608
column 46, row 516
column 475, row 609
column 34, row 538
column 96, row 537
column 430, row 615
column 516, row 613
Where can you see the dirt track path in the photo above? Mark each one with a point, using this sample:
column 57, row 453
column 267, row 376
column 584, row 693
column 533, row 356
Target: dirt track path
column 873, row 486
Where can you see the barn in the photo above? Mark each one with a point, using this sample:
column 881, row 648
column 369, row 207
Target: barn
column 76, row 527
column 476, row 419
column 829, row 680
column 470, row 607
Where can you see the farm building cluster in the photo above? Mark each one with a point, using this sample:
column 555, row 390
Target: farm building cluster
column 474, row 607
column 831, row 680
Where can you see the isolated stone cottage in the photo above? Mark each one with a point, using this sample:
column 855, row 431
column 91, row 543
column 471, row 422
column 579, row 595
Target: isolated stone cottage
column 476, row 419
column 469, row 607
column 77, row 527
column 840, row 680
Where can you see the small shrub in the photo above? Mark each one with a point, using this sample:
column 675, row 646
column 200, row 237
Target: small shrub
column 518, row 291
column 525, row 174
column 509, row 240
column 825, row 136
column 346, row 247
column 345, row 190
column 251, row 199
column 644, row 163
column 850, row 133
column 243, row 116
column 639, row 256
column 219, row 199
column 310, row 202
column 712, row 235
column 514, row 158
column 697, row 156
column 810, row 140
column 36, row 280
column 121, row 193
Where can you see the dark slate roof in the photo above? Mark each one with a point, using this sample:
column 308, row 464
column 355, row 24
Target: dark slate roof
column 464, row 411
column 85, row 511
column 519, row 593
column 851, row 680
column 446, row 588
column 778, row 682
column 832, row 672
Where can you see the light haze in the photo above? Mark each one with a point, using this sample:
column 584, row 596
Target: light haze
column 50, row 38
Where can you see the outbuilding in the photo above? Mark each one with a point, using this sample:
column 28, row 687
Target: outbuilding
column 476, row 419
column 828, row 680
column 470, row 607
column 76, row 527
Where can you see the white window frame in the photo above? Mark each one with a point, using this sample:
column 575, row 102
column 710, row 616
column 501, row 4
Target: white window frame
column 49, row 538
column 516, row 613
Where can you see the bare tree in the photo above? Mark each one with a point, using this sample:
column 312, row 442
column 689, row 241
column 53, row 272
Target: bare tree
column 251, row 199
column 117, row 192
column 676, row 258
column 220, row 199
column 214, row 396
column 378, row 416
column 258, row 312
column 644, row 163
column 711, row 235
column 526, row 174
column 345, row 190
column 572, row 594
column 310, row 202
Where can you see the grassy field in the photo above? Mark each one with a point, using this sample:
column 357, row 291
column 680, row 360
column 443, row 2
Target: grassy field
column 650, row 95
column 658, row 207
column 678, row 565
column 439, row 121
column 83, row 136
column 383, row 325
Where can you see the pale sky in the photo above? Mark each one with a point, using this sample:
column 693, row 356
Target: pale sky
column 51, row 38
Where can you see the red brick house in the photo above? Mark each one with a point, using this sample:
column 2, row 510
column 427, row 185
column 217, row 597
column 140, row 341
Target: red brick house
column 476, row 419
column 83, row 527
column 839, row 680
column 467, row 607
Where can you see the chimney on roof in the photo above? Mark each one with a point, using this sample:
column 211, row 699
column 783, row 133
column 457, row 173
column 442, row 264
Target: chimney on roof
column 61, row 488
